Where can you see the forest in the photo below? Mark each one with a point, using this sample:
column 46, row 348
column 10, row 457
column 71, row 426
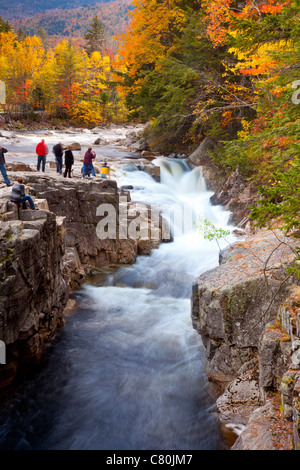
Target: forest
column 229, row 70
column 191, row 68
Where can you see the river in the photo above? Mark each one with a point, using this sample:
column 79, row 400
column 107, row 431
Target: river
column 128, row 370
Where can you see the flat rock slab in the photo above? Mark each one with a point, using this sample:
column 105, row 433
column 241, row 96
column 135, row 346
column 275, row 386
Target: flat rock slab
column 251, row 257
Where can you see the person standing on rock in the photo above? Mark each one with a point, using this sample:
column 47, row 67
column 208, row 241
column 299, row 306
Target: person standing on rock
column 42, row 152
column 69, row 161
column 58, row 152
column 18, row 195
column 2, row 166
column 88, row 166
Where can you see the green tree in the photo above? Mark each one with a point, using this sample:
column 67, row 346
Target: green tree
column 4, row 26
column 44, row 37
column 94, row 36
column 21, row 34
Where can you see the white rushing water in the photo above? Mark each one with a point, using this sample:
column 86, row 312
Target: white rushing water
column 172, row 269
column 128, row 371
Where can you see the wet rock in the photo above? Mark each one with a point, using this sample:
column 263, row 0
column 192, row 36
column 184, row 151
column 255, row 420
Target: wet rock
column 73, row 268
column 139, row 146
column 148, row 154
column 131, row 135
column 237, row 197
column 18, row 166
column 202, row 155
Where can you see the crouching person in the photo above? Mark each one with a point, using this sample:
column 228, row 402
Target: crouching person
column 18, row 195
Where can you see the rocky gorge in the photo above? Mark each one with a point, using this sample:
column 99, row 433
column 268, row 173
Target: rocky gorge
column 246, row 310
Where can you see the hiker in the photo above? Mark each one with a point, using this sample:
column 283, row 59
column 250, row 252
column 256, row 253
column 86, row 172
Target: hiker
column 18, row 195
column 88, row 167
column 104, row 172
column 58, row 152
column 42, row 152
column 69, row 161
column 2, row 166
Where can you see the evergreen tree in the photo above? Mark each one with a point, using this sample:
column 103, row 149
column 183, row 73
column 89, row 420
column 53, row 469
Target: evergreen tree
column 21, row 34
column 44, row 37
column 4, row 26
column 94, row 36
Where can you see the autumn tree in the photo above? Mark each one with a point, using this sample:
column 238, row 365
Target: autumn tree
column 269, row 148
column 20, row 65
column 94, row 96
column 270, row 58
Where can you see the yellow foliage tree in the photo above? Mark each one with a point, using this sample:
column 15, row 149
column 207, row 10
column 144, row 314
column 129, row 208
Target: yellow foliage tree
column 21, row 63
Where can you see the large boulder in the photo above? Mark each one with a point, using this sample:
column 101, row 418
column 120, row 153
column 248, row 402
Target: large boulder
column 202, row 155
column 233, row 302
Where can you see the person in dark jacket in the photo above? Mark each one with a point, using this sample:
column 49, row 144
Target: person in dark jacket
column 18, row 194
column 58, row 152
column 88, row 167
column 69, row 161
column 2, row 166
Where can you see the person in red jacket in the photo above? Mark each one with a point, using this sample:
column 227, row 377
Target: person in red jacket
column 42, row 152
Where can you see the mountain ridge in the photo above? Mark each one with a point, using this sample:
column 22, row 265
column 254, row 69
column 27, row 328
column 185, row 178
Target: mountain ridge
column 59, row 24
column 14, row 9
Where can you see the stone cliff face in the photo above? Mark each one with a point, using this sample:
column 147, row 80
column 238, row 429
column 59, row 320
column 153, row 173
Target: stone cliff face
column 45, row 253
column 34, row 289
column 234, row 301
column 252, row 350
